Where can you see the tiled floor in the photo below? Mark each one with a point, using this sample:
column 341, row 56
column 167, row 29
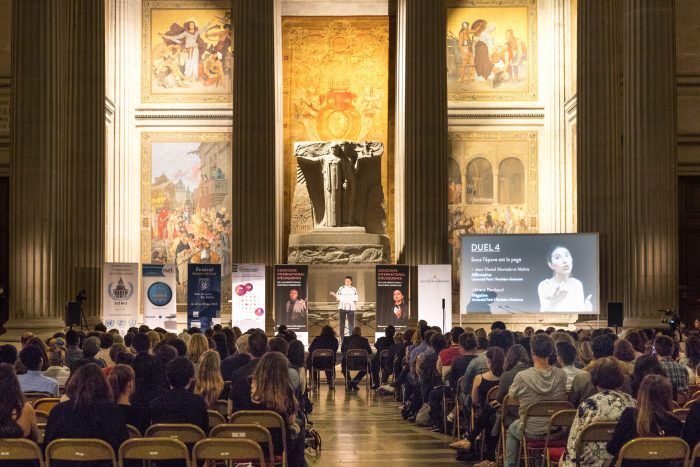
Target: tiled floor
column 364, row 429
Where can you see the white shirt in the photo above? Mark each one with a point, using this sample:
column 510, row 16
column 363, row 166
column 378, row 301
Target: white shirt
column 347, row 296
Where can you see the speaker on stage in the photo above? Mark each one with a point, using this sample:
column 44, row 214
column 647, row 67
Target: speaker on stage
column 615, row 315
column 73, row 314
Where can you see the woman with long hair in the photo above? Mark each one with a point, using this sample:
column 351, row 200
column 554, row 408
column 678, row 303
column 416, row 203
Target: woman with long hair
column 196, row 347
column 652, row 417
column 325, row 341
column 584, row 353
column 692, row 358
column 17, row 417
column 122, row 380
column 517, row 359
column 637, row 342
column 150, row 380
column 269, row 389
column 562, row 292
column 645, row 365
column 624, row 352
column 221, row 343
column 208, row 383
column 36, row 341
column 230, row 340
column 89, row 412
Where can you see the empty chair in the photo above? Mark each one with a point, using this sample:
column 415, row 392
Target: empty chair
column 236, row 450
column 20, row 450
column 654, row 449
column 79, row 450
column 256, row 433
column 153, row 449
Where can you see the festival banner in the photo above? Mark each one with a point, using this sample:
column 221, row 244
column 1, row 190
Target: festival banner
column 248, row 301
column 203, row 295
column 159, row 305
column 120, row 305
column 291, row 292
column 392, row 296
column 435, row 295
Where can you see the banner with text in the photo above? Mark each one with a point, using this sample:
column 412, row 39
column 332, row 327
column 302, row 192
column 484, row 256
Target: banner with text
column 435, row 295
column 248, row 285
column 291, row 293
column 203, row 295
column 392, row 296
column 159, row 305
column 120, row 297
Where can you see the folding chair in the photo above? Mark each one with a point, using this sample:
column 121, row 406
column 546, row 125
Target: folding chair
column 188, row 434
column 597, row 432
column 357, row 360
column 654, row 449
column 447, row 400
column 509, row 413
column 236, row 450
column 456, row 433
column 41, row 416
column 221, row 406
column 79, row 450
column 46, row 404
column 681, row 414
column 270, row 420
column 20, row 450
column 42, row 430
column 696, row 456
column 215, row 418
column 383, row 358
column 322, row 360
column 544, row 409
column 689, row 403
column 153, row 449
column 133, row 431
column 32, row 397
column 256, row 433
column 490, row 396
column 560, row 421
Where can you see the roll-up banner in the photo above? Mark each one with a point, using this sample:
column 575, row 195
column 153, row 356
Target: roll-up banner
column 203, row 295
column 120, row 297
column 159, row 304
column 392, row 296
column 291, row 293
column 248, row 302
column 435, row 295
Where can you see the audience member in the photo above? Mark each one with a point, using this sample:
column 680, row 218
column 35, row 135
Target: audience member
column 625, row 355
column 634, row 338
column 653, row 416
column 221, row 343
column 34, row 380
column 584, row 353
column 197, row 346
column 17, row 417
column 383, row 343
column 240, row 358
column 149, row 377
column 663, row 348
column 208, row 382
column 106, row 342
column 327, row 341
column 8, row 354
column 141, row 343
column 448, row 355
column 691, row 427
column 460, row 364
column 540, row 383
column 692, row 359
column 354, row 342
column 37, row 342
column 605, row 406
column 295, row 355
column 581, row 388
column 57, row 361
column 645, row 365
column 257, row 347
column 122, row 380
column 178, row 405
column 230, row 340
column 566, row 358
column 89, row 412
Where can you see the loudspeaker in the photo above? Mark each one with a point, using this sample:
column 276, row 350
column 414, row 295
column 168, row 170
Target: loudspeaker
column 73, row 314
column 615, row 315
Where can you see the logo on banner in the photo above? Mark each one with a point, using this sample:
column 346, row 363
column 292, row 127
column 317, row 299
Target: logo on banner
column 204, row 284
column 120, row 293
column 160, row 294
column 109, row 323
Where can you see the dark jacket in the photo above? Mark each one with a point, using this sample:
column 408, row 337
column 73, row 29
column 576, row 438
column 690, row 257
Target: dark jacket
column 232, row 363
column 691, row 429
column 180, row 406
column 355, row 343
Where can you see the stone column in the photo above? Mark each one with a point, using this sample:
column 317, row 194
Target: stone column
column 422, row 134
column 57, row 161
column 649, row 178
column 254, row 137
column 599, row 142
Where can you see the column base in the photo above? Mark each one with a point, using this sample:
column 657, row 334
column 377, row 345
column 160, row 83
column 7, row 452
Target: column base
column 645, row 323
column 43, row 328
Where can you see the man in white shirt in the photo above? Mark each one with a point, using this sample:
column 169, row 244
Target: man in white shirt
column 346, row 296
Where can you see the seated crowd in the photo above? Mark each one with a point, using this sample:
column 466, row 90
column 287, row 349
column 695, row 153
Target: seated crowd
column 634, row 381
column 107, row 382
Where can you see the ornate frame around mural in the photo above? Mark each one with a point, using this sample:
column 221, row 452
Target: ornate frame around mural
column 146, row 165
column 531, row 94
column 146, row 94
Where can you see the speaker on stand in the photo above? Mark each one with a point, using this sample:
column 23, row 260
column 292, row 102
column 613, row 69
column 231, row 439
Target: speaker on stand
column 615, row 315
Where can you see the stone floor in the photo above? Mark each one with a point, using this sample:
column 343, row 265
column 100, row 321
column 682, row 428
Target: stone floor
column 364, row 429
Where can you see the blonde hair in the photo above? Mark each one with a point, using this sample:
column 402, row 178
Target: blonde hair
column 154, row 338
column 653, row 405
column 209, row 382
column 196, row 347
column 584, row 352
column 242, row 344
column 270, row 385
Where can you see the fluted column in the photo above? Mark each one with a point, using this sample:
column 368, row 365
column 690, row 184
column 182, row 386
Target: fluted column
column 649, row 159
column 57, row 160
column 422, row 134
column 599, row 142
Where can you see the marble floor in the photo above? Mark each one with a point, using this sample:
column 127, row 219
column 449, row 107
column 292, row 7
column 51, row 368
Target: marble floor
column 364, row 429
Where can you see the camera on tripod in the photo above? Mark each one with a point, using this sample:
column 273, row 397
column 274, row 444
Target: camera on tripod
column 672, row 318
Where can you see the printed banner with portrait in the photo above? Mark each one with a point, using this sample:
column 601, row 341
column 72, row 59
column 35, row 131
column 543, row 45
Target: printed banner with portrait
column 248, row 307
column 492, row 187
column 291, row 296
column 337, row 86
column 392, row 296
column 186, row 203
column 120, row 299
column 187, row 51
column 491, row 50
column 203, row 295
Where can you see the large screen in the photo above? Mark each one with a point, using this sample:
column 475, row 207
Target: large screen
column 508, row 274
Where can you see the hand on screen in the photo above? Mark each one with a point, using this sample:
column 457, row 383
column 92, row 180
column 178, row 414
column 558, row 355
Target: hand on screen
column 559, row 294
column 587, row 305
column 397, row 311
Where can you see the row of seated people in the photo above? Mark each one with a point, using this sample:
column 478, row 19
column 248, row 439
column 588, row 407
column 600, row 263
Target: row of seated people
column 154, row 381
column 634, row 381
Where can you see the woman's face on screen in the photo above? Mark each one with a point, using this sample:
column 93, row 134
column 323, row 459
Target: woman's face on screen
column 561, row 261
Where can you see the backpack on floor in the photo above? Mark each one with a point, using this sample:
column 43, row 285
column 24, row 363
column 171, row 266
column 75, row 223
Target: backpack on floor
column 312, row 442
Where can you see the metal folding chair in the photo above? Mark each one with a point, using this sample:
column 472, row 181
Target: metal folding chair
column 357, row 360
column 79, row 450
column 598, row 432
column 654, row 449
column 322, row 360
